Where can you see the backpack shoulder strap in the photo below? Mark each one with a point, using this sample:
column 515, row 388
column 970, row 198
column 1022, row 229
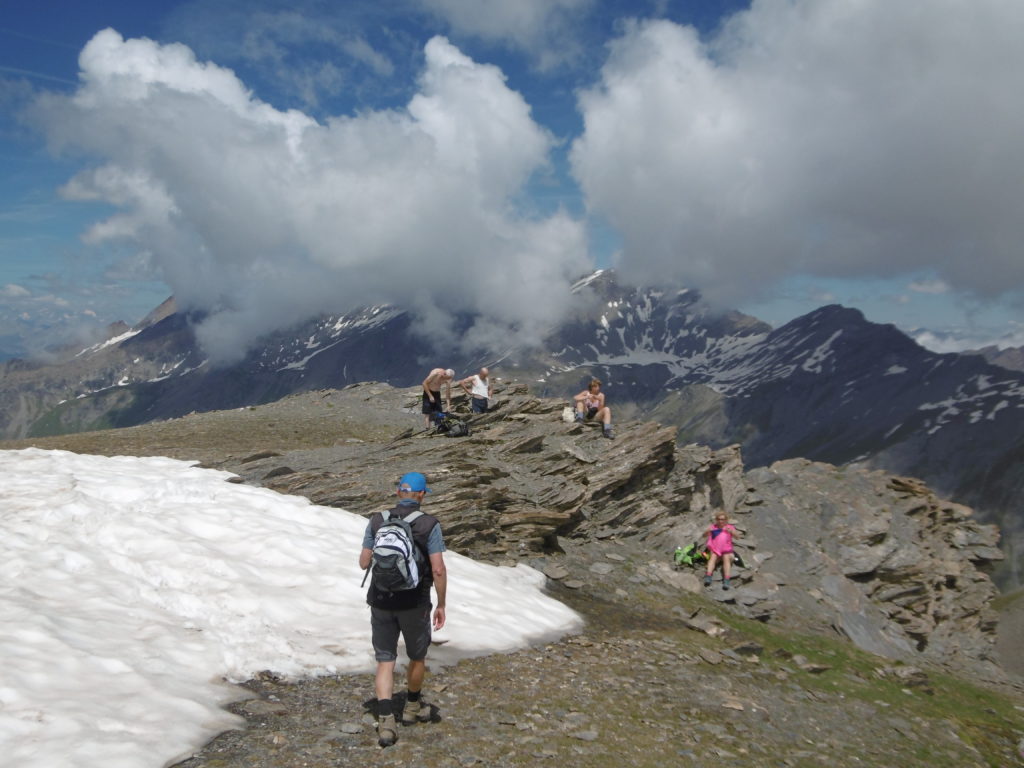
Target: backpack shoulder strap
column 413, row 516
column 386, row 514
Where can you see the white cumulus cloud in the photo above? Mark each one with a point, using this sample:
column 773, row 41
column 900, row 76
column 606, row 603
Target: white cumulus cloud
column 827, row 137
column 14, row 291
column 969, row 338
column 262, row 217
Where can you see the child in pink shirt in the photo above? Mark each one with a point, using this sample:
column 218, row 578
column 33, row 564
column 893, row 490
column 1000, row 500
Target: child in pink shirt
column 720, row 535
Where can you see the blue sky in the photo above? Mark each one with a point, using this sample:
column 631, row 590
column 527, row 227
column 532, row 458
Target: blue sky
column 262, row 160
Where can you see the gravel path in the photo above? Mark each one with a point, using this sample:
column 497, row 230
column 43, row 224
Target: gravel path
column 637, row 689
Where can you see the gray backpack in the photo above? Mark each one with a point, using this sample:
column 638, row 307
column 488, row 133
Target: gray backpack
column 396, row 563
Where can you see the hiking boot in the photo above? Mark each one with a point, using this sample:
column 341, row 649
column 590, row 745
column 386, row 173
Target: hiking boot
column 387, row 731
column 578, row 417
column 707, row 580
column 416, row 711
column 607, row 432
column 725, row 584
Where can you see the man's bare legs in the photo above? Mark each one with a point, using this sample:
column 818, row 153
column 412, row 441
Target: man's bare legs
column 384, row 683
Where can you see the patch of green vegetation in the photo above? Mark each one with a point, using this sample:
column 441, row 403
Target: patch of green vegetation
column 982, row 717
column 64, row 419
column 1003, row 602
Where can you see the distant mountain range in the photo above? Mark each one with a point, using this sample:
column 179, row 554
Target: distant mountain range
column 1006, row 357
column 828, row 386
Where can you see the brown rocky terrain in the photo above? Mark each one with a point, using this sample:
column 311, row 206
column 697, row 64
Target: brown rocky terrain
column 864, row 606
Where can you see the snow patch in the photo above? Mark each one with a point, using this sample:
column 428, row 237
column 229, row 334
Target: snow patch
column 131, row 587
column 109, row 342
column 813, row 363
column 579, row 284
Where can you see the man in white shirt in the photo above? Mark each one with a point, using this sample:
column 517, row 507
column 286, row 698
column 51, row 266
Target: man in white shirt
column 480, row 390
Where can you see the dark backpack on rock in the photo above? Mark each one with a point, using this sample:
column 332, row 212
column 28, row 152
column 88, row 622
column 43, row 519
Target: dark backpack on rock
column 451, row 426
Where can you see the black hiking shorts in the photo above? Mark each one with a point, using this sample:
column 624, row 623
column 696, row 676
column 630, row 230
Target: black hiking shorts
column 432, row 407
column 412, row 624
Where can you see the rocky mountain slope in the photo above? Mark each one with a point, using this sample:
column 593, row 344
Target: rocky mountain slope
column 1008, row 357
column 863, row 594
column 828, row 386
column 880, row 559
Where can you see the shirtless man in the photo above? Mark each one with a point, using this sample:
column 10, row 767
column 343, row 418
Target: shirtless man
column 432, row 393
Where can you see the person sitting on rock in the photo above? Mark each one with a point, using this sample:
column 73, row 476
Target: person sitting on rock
column 590, row 405
column 432, row 394
column 720, row 535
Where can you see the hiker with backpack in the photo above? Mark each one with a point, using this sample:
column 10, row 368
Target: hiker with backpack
column 480, row 390
column 403, row 553
column 590, row 405
column 432, row 394
column 720, row 535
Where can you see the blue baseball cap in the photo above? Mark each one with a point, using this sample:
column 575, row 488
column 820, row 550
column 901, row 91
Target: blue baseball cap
column 414, row 482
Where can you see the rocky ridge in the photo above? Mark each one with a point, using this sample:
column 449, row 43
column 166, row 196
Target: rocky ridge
column 666, row 670
column 1008, row 357
column 880, row 559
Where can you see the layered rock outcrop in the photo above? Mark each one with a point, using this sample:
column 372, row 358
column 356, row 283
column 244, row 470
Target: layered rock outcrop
column 880, row 559
column 899, row 570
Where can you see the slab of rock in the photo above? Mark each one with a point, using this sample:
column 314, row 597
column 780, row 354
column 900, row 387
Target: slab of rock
column 749, row 648
column 710, row 656
column 278, row 472
column 556, row 571
column 259, row 456
column 704, row 624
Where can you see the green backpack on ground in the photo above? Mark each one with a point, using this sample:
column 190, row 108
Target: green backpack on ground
column 690, row 555
column 694, row 555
